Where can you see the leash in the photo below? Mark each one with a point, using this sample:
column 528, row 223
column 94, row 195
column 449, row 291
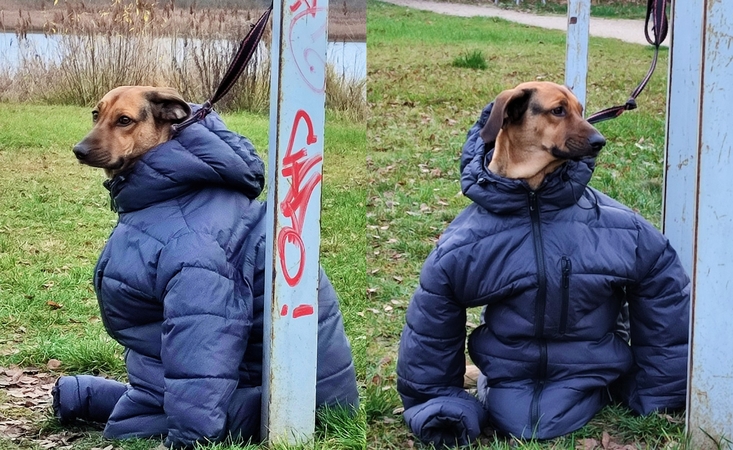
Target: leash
column 247, row 48
column 656, row 10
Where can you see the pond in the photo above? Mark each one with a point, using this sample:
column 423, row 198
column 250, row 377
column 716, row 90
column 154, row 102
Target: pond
column 347, row 58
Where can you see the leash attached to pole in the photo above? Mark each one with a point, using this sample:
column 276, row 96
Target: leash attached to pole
column 247, row 49
column 656, row 11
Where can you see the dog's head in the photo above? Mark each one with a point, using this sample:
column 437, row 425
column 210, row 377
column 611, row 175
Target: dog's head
column 546, row 117
column 129, row 121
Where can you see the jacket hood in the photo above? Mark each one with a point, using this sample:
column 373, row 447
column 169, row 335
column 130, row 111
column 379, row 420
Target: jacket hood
column 203, row 154
column 563, row 187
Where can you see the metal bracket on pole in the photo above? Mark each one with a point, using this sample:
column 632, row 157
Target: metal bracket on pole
column 698, row 213
column 297, row 117
column 576, row 56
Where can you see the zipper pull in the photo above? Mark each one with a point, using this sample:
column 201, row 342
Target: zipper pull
column 565, row 272
column 532, row 201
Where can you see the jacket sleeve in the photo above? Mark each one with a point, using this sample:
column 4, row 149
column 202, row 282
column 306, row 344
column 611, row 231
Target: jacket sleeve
column 659, row 308
column 205, row 330
column 431, row 364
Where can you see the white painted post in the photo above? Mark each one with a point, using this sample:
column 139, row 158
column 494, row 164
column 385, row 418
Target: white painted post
column 698, row 212
column 576, row 56
column 297, row 117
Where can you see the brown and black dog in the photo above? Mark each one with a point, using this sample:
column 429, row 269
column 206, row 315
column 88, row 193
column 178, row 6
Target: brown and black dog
column 129, row 121
column 537, row 126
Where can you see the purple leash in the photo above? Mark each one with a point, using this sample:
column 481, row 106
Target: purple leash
column 656, row 10
column 247, row 48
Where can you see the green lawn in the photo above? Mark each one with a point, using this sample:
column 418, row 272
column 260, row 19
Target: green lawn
column 614, row 9
column 54, row 220
column 421, row 104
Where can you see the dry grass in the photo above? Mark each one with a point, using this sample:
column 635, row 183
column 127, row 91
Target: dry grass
column 138, row 42
column 346, row 18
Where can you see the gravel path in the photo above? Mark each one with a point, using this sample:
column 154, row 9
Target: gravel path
column 624, row 29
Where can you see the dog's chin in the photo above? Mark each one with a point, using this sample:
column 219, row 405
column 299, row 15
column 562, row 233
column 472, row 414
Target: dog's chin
column 574, row 155
column 106, row 164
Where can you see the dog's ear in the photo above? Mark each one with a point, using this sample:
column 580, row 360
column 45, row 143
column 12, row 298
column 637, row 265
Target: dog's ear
column 168, row 105
column 509, row 107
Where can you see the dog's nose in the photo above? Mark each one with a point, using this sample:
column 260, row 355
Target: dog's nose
column 596, row 142
column 80, row 151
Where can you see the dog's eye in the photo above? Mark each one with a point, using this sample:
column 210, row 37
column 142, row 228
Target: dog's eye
column 95, row 116
column 559, row 111
column 124, row 121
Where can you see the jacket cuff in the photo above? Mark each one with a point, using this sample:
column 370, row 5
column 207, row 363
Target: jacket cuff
column 450, row 421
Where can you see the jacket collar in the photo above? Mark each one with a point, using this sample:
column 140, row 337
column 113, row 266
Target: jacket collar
column 204, row 154
column 560, row 189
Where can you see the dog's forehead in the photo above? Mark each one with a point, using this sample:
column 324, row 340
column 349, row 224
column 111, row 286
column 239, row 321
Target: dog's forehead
column 548, row 92
column 554, row 94
column 122, row 98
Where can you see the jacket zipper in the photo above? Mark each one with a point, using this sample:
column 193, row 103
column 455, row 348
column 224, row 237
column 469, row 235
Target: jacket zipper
column 102, row 311
column 566, row 266
column 534, row 214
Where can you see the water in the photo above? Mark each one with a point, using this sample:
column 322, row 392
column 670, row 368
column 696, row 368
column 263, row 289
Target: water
column 348, row 58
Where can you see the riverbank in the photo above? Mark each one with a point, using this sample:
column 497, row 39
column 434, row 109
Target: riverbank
column 344, row 24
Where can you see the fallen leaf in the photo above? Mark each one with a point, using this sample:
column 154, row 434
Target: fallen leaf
column 53, row 364
column 605, row 440
column 586, row 444
column 54, row 305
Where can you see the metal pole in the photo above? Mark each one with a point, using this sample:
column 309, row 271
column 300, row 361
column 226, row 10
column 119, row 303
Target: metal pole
column 297, row 117
column 698, row 213
column 576, row 56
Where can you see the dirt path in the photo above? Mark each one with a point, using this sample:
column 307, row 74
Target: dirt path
column 623, row 29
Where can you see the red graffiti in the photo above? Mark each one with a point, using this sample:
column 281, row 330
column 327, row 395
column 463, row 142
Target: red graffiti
column 310, row 63
column 302, row 310
column 310, row 8
column 299, row 311
column 296, row 166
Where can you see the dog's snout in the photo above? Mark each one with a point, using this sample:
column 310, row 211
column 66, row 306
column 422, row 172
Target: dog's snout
column 81, row 151
column 596, row 142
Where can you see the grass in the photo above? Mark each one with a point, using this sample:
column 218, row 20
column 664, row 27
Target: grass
column 421, row 106
column 56, row 217
column 473, row 59
column 613, row 9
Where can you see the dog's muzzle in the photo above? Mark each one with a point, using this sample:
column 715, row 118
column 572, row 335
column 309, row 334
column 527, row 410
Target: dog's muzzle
column 596, row 142
column 81, row 152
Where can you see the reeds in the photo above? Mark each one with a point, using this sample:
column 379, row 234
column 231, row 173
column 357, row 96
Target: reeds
column 140, row 42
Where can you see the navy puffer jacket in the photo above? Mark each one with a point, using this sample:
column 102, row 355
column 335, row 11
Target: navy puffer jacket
column 180, row 285
column 553, row 268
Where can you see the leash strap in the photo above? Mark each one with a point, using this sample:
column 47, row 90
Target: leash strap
column 656, row 11
column 247, row 49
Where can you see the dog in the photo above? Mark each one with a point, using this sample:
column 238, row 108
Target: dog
column 537, row 126
column 180, row 281
column 553, row 262
column 129, row 121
